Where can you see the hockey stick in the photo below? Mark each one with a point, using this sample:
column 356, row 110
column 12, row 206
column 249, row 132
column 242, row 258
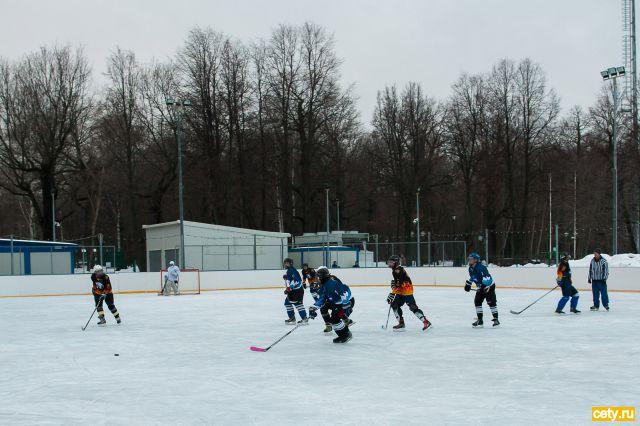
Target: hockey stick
column 388, row 315
column 93, row 313
column 257, row 349
column 534, row 302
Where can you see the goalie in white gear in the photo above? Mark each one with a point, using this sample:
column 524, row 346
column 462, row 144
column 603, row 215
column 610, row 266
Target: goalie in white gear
column 171, row 278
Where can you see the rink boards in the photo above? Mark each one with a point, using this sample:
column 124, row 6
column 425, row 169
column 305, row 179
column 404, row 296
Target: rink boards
column 621, row 279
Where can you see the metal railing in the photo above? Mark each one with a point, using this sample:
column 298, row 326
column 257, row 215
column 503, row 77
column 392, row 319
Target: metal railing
column 239, row 257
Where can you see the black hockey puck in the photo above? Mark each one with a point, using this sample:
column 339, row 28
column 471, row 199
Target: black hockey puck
column 116, row 354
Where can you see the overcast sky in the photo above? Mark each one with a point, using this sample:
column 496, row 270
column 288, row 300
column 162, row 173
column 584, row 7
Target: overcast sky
column 381, row 42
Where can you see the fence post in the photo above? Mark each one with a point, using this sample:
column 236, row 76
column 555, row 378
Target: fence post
column 429, row 248
column 377, row 259
column 364, row 244
column 255, row 254
column 464, row 253
column 443, row 254
column 202, row 258
column 100, row 242
column 557, row 246
column 486, row 245
column 228, row 256
column 51, row 258
column 11, row 254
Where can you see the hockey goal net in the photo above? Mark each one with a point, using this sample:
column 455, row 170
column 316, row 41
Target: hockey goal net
column 188, row 283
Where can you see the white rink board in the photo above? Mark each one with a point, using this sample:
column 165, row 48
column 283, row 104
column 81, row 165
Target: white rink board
column 621, row 278
column 185, row 360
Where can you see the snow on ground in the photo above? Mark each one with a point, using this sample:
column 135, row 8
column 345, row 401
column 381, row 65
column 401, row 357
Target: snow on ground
column 185, row 360
column 619, row 260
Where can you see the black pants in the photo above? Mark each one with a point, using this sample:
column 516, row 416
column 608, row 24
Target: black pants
column 400, row 300
column 336, row 314
column 326, row 316
column 107, row 298
column 490, row 297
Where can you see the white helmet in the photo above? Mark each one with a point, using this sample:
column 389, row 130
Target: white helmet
column 97, row 268
column 172, row 263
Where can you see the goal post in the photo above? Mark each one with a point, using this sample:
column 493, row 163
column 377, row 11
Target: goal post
column 188, row 283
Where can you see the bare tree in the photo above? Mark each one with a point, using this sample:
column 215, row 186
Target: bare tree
column 42, row 98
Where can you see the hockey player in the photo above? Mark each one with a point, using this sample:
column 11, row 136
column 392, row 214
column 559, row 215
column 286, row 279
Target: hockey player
column 335, row 303
column 401, row 293
column 486, row 289
column 310, row 279
column 568, row 290
column 294, row 293
column 102, row 292
column 171, row 278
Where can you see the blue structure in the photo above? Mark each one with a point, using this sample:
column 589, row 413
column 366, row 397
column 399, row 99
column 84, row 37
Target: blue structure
column 36, row 257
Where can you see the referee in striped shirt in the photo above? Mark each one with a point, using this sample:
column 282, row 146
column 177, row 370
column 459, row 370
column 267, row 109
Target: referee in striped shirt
column 598, row 274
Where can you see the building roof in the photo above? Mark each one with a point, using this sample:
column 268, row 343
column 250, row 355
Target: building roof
column 220, row 228
column 34, row 243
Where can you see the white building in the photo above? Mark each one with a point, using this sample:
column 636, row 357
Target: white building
column 214, row 247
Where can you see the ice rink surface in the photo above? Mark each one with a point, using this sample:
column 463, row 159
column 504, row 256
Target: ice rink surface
column 185, row 360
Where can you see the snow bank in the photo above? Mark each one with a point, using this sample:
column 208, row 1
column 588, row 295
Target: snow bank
column 619, row 260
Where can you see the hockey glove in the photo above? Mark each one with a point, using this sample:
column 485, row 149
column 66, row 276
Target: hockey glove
column 467, row 286
column 486, row 289
column 287, row 290
column 313, row 312
column 100, row 286
column 391, row 297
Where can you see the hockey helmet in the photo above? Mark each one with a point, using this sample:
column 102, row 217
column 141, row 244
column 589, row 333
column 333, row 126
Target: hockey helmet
column 393, row 261
column 287, row 262
column 323, row 274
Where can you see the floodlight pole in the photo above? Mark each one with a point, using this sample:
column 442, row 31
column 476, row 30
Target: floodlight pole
column 614, row 171
column 179, row 105
column 613, row 74
column 326, row 190
column 418, row 263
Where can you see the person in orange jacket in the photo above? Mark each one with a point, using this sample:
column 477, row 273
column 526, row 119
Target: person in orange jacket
column 103, row 292
column 401, row 293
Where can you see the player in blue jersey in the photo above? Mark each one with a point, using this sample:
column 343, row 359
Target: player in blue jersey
column 485, row 289
column 295, row 294
column 335, row 303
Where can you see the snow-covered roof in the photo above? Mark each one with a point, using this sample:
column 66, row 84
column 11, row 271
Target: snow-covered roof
column 7, row 241
column 221, row 228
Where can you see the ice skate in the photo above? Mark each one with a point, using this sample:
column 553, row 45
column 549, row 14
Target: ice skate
column 559, row 311
column 344, row 338
column 575, row 311
column 101, row 321
column 400, row 326
column 478, row 324
column 328, row 329
column 426, row 324
column 290, row 321
column 496, row 322
column 304, row 321
column 594, row 308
